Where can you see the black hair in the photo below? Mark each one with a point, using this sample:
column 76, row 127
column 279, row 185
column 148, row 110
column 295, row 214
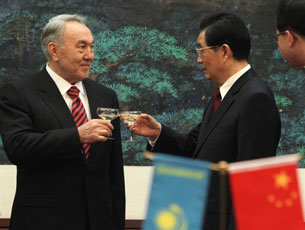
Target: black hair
column 227, row 28
column 290, row 15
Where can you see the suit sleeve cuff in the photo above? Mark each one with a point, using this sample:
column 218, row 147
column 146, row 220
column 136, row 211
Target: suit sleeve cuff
column 152, row 142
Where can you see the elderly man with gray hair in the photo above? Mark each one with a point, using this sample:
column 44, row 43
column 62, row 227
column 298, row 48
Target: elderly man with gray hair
column 69, row 174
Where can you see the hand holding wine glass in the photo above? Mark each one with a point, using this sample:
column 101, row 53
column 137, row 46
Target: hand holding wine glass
column 94, row 130
column 145, row 126
column 130, row 118
column 107, row 114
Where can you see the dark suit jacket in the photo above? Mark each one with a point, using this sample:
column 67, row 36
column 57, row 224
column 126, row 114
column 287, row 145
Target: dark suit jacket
column 245, row 126
column 56, row 188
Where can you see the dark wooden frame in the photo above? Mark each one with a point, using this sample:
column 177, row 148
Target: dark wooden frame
column 129, row 224
column 4, row 224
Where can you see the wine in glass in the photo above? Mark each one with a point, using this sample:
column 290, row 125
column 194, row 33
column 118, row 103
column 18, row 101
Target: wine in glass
column 107, row 114
column 130, row 117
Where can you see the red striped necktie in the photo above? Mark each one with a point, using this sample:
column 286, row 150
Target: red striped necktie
column 79, row 113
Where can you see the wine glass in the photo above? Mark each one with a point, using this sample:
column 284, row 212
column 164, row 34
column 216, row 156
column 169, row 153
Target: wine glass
column 107, row 114
column 130, row 117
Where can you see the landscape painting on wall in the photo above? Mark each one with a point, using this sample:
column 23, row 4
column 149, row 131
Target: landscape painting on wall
column 145, row 51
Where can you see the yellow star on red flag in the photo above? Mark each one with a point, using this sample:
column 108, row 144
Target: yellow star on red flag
column 266, row 194
column 282, row 180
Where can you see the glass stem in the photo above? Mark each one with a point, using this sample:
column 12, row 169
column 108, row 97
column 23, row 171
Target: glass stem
column 131, row 137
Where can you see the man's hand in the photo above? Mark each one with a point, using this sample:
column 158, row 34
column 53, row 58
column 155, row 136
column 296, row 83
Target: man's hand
column 95, row 130
column 146, row 126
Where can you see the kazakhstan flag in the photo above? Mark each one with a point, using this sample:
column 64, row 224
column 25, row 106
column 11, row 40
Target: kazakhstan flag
column 178, row 194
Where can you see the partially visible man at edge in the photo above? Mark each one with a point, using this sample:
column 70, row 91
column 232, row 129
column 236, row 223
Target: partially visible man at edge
column 290, row 31
column 69, row 176
column 245, row 126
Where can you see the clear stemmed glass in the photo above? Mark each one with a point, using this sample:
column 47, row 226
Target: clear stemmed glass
column 107, row 114
column 130, row 117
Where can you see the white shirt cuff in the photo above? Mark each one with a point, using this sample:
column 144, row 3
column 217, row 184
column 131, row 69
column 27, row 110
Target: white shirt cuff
column 153, row 142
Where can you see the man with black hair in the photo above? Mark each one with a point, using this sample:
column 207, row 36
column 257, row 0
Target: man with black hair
column 242, row 122
column 290, row 31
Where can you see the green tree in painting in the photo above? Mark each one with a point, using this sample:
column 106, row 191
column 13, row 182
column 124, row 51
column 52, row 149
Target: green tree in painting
column 182, row 121
column 288, row 86
column 129, row 60
column 20, row 43
column 151, row 62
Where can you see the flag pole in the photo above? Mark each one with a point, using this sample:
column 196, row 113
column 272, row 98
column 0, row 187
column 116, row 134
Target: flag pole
column 223, row 169
column 149, row 155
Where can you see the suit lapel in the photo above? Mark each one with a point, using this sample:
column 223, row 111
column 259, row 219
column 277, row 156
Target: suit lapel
column 50, row 94
column 207, row 127
column 228, row 101
column 206, row 116
column 94, row 97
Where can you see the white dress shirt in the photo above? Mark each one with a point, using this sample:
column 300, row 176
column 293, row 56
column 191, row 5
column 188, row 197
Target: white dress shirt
column 64, row 86
column 230, row 82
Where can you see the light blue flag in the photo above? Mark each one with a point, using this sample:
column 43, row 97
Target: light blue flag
column 178, row 194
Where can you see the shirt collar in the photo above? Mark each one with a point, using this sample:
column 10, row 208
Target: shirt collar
column 62, row 84
column 224, row 89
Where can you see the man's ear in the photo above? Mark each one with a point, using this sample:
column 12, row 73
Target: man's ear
column 226, row 51
column 291, row 38
column 53, row 50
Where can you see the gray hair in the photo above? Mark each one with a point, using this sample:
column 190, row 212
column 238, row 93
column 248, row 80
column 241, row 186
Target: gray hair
column 54, row 29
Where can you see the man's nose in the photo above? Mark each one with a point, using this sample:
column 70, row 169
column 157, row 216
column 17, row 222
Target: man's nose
column 199, row 59
column 89, row 54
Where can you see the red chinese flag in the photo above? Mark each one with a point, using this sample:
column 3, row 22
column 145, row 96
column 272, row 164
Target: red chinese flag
column 266, row 194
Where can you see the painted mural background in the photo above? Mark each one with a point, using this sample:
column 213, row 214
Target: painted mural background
column 145, row 51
